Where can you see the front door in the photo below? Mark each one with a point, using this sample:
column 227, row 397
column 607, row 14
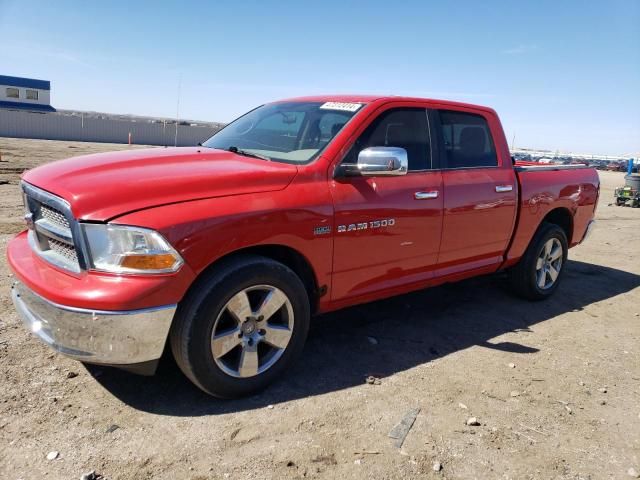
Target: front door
column 387, row 228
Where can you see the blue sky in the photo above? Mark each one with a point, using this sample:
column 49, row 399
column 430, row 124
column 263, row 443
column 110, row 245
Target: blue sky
column 561, row 74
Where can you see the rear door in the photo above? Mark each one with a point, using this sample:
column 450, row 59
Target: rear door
column 480, row 190
column 388, row 228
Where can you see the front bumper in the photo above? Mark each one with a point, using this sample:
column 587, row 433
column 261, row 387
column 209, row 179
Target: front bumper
column 118, row 338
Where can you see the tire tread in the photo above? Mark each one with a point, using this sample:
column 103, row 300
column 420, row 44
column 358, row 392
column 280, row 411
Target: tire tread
column 520, row 278
column 180, row 335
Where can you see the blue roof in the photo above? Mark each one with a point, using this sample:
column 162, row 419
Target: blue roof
column 34, row 107
column 25, row 82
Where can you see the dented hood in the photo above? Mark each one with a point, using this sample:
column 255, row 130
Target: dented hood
column 106, row 185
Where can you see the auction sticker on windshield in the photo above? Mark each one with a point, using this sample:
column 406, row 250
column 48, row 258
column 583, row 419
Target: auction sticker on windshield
column 344, row 106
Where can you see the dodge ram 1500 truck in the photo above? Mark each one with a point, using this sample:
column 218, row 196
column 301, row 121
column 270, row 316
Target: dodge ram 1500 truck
column 223, row 252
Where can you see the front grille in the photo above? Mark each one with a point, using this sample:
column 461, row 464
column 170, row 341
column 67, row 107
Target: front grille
column 51, row 228
column 54, row 216
column 64, row 250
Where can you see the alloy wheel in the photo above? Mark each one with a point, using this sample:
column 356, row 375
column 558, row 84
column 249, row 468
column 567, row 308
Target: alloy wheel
column 252, row 331
column 549, row 264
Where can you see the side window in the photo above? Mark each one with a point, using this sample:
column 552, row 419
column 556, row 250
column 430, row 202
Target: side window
column 12, row 92
column 406, row 128
column 467, row 140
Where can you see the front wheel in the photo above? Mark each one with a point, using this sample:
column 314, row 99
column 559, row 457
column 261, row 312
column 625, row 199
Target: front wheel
column 241, row 327
column 539, row 271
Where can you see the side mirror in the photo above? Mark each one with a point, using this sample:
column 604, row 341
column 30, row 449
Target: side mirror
column 378, row 161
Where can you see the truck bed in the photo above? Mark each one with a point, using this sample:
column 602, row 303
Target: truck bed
column 569, row 190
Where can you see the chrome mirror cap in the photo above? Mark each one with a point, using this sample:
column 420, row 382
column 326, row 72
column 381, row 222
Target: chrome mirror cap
column 378, row 161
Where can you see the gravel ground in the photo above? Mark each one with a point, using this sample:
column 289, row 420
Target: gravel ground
column 554, row 386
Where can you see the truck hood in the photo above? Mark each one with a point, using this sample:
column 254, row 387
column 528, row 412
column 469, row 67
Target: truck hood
column 102, row 186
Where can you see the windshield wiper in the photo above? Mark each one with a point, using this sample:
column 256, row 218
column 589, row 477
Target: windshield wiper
column 247, row 154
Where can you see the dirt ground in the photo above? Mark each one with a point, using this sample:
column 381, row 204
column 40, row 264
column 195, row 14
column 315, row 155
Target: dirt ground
column 555, row 385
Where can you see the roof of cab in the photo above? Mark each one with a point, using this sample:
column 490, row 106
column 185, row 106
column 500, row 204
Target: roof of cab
column 354, row 98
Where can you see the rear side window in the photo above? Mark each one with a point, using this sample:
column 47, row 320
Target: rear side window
column 467, row 140
column 406, row 128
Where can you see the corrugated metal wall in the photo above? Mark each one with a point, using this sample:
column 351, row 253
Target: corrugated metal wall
column 56, row 126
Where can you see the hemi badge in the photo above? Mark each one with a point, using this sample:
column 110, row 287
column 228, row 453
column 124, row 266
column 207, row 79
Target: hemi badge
column 322, row 230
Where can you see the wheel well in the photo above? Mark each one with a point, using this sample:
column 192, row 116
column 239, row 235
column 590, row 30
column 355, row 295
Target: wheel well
column 285, row 255
column 563, row 218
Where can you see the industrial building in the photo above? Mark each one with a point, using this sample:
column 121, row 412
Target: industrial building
column 18, row 93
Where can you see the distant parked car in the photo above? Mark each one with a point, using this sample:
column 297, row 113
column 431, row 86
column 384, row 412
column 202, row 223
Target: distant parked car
column 617, row 167
column 599, row 164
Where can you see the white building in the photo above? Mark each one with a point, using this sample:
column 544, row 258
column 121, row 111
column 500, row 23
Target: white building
column 18, row 93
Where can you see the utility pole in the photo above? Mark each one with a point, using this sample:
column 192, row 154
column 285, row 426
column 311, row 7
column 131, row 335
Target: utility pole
column 513, row 141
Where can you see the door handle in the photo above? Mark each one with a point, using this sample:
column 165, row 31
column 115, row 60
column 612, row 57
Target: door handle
column 504, row 188
column 426, row 195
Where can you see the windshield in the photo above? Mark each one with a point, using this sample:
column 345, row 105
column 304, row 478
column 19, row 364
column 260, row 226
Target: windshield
column 292, row 132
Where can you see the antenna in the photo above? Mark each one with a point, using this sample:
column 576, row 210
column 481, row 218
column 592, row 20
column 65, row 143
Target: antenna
column 175, row 140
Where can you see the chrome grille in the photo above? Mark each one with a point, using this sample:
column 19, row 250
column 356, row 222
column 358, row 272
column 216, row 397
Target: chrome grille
column 64, row 250
column 54, row 216
column 51, row 227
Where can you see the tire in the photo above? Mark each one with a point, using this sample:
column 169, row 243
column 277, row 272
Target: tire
column 247, row 352
column 528, row 275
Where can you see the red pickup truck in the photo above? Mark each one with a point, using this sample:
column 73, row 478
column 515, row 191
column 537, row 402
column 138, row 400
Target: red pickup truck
column 223, row 252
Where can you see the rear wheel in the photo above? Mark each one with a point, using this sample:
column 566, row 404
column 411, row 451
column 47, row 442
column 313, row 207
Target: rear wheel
column 241, row 327
column 539, row 271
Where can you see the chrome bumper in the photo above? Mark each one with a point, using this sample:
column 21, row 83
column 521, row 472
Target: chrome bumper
column 95, row 336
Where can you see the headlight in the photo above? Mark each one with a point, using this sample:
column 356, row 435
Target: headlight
column 122, row 249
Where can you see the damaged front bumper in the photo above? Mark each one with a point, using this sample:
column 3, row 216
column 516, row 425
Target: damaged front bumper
column 132, row 339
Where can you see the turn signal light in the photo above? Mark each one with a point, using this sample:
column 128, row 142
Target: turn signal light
column 148, row 262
